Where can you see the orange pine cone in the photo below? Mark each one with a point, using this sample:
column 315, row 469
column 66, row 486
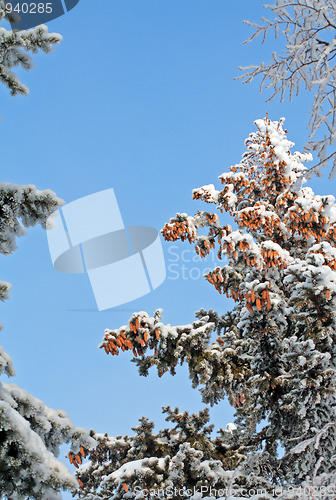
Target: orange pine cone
column 80, row 483
column 146, row 337
column 258, row 304
column 137, row 323
column 81, row 450
column 328, row 294
column 124, row 485
column 78, row 459
column 157, row 334
column 135, row 353
column 252, row 296
column 249, row 308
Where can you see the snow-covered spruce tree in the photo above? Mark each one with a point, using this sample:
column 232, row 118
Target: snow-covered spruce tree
column 30, row 432
column 308, row 28
column 274, row 356
column 169, row 463
column 15, row 47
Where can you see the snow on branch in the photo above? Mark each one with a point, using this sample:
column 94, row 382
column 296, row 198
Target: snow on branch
column 22, row 207
column 15, row 47
column 308, row 28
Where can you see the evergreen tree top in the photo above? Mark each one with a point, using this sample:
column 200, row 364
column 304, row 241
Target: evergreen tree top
column 274, row 355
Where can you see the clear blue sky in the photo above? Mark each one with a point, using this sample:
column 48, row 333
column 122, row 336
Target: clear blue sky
column 140, row 96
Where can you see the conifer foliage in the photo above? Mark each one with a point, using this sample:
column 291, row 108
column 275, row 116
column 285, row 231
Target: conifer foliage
column 273, row 355
column 162, row 464
column 30, row 432
column 15, row 49
column 307, row 60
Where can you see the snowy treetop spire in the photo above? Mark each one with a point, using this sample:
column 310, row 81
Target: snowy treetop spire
column 274, row 354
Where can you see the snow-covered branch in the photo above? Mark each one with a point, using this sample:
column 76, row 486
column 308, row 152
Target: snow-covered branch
column 308, row 28
column 15, row 49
